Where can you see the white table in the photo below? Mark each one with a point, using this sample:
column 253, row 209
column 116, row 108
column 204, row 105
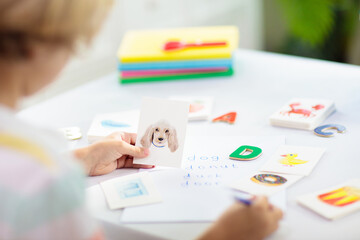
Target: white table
column 262, row 83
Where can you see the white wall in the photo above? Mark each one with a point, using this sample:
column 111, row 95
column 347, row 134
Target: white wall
column 101, row 59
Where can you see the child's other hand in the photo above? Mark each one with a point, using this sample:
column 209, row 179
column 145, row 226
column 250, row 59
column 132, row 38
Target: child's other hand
column 115, row 151
column 253, row 222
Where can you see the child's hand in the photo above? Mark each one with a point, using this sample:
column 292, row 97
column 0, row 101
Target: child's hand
column 115, row 151
column 253, row 222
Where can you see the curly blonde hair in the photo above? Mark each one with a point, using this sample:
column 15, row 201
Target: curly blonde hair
column 64, row 22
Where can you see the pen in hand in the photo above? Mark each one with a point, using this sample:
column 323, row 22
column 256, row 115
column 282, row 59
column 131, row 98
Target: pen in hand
column 245, row 198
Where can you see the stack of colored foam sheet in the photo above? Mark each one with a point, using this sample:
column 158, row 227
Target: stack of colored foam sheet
column 157, row 55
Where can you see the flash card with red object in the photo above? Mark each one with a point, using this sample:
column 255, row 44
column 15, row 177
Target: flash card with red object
column 303, row 113
column 228, row 117
column 200, row 107
column 334, row 202
column 108, row 123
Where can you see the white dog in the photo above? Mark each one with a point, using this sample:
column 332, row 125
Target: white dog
column 158, row 134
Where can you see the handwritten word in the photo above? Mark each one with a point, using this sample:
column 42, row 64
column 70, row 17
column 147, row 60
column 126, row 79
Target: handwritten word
column 212, row 166
column 206, row 170
column 199, row 184
column 187, row 176
column 193, row 158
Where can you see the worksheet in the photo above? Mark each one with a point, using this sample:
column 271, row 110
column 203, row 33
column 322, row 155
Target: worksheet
column 187, row 204
column 200, row 190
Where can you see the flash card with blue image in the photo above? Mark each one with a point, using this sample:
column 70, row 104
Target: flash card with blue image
column 108, row 123
column 131, row 190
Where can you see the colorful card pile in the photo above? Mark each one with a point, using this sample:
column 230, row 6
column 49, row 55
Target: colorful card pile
column 334, row 202
column 156, row 55
column 303, row 113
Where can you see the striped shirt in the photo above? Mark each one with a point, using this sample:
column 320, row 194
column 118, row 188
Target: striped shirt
column 42, row 190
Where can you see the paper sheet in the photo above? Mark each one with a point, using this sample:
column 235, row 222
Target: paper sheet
column 199, row 192
column 180, row 204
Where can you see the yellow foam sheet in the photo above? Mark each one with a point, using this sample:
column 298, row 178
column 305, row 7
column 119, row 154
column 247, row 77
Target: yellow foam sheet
column 146, row 45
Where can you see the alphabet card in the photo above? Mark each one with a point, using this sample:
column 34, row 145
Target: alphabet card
column 293, row 160
column 131, row 190
column 105, row 124
column 264, row 183
column 303, row 113
column 162, row 129
column 334, row 202
column 200, row 107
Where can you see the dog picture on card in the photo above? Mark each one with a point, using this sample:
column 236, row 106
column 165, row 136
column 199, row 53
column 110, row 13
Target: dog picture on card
column 162, row 129
column 293, row 160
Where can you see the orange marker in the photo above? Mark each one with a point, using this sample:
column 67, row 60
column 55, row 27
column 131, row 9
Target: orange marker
column 228, row 117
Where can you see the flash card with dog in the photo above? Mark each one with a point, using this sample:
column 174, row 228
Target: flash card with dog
column 162, row 129
column 131, row 190
column 294, row 160
column 335, row 202
column 303, row 113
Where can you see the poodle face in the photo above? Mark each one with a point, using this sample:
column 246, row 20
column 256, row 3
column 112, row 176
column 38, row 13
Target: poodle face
column 159, row 134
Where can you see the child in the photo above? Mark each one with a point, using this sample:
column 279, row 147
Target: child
column 41, row 188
